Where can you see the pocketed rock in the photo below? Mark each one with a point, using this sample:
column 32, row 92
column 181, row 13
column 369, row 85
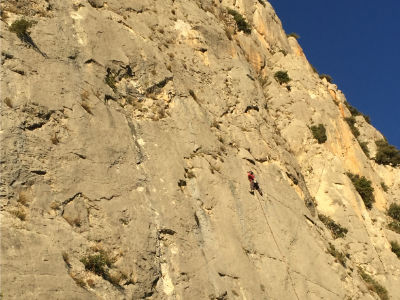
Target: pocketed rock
column 133, row 136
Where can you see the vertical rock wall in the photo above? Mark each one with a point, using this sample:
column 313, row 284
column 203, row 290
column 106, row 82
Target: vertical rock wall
column 127, row 131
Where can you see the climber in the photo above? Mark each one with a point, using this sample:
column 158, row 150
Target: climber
column 253, row 183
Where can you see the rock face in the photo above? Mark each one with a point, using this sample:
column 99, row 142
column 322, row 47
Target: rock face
column 127, row 131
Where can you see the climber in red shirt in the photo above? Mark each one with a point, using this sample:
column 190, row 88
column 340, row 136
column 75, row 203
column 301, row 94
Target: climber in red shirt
column 250, row 176
column 253, row 183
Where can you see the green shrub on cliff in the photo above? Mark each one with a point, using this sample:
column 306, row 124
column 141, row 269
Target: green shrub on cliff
column 355, row 112
column 327, row 77
column 314, row 69
column 262, row 2
column 319, row 133
column 364, row 147
column 352, row 121
column 394, row 226
column 373, row 285
column 98, row 263
column 282, row 77
column 395, row 248
column 340, row 256
column 294, row 34
column 384, row 187
column 240, row 21
column 95, row 263
column 364, row 188
column 387, row 154
column 110, row 80
column 20, row 28
column 336, row 229
column 394, row 211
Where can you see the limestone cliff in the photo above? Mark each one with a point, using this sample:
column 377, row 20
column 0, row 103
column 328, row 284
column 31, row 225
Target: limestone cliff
column 127, row 128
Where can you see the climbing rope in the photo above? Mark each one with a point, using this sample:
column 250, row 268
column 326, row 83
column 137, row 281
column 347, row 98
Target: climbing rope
column 283, row 257
column 279, row 249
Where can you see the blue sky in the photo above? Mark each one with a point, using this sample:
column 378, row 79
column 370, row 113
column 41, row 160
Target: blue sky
column 358, row 44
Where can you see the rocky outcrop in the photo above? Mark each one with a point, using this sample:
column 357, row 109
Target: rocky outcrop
column 125, row 145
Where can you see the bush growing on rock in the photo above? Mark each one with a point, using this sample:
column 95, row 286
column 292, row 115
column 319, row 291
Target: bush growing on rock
column 240, row 21
column 355, row 112
column 384, row 187
column 95, row 263
column 336, row 229
column 387, row 154
column 282, row 77
column 99, row 263
column 373, row 285
column 327, row 77
column 340, row 256
column 394, row 211
column 20, row 28
column 262, row 2
column 284, row 52
column 19, row 213
column 294, row 34
column 352, row 121
column 395, row 248
column 110, row 80
column 367, row 119
column 319, row 133
column 364, row 147
column 395, row 226
column 364, row 188
column 314, row 69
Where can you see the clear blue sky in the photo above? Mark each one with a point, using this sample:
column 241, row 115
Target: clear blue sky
column 358, row 44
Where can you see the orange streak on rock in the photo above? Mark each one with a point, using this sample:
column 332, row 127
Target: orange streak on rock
column 341, row 109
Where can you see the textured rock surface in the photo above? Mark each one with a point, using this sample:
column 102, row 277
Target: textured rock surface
column 128, row 130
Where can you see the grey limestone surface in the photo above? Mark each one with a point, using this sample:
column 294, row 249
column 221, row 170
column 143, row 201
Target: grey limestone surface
column 127, row 129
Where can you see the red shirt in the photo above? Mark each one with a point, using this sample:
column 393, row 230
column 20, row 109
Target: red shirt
column 251, row 177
